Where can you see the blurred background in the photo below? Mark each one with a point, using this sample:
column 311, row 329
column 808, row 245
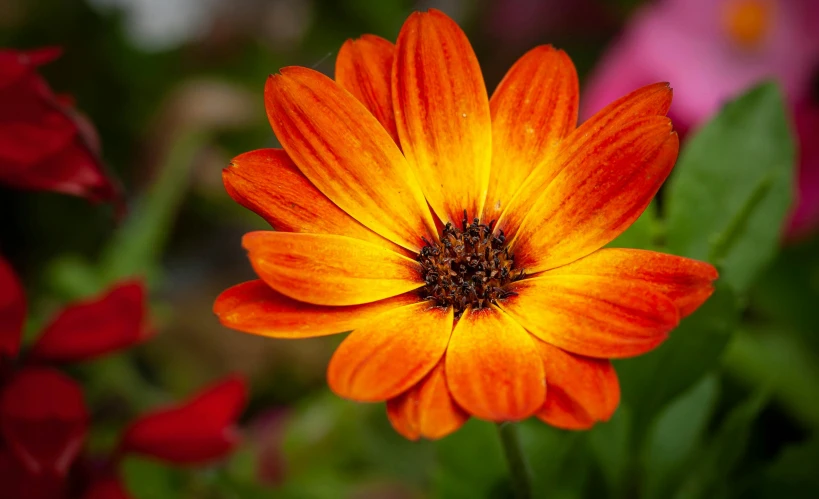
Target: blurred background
column 174, row 89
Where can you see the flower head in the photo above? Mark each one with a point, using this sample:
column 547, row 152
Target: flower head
column 44, row 143
column 459, row 237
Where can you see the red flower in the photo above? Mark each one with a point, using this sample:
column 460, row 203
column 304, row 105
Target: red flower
column 116, row 320
column 89, row 329
column 44, row 143
column 107, row 488
column 12, row 310
column 200, row 430
column 43, row 420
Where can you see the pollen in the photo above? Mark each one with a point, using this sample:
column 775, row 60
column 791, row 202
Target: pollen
column 469, row 267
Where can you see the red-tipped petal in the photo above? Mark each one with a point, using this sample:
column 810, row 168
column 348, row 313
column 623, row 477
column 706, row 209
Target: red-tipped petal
column 442, row 114
column 200, row 430
column 254, row 307
column 493, row 369
column 85, row 330
column 364, row 68
column 12, row 310
column 594, row 316
column 533, row 109
column 651, row 100
column 427, row 409
column 324, row 269
column 267, row 182
column 43, row 420
column 688, row 283
column 580, row 391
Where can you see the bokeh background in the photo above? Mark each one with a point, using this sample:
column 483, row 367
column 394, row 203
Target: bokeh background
column 174, row 88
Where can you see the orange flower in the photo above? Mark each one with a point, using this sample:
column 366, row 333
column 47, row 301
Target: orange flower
column 459, row 237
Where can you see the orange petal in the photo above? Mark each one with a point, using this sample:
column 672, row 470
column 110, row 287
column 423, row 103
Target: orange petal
column 442, row 114
column 427, row 409
column 343, row 150
column 363, row 68
column 325, row 269
column 493, row 368
column 254, row 307
column 594, row 316
column 269, row 183
column 651, row 100
column 533, row 109
column 580, row 391
column 390, row 354
column 599, row 193
column 686, row 282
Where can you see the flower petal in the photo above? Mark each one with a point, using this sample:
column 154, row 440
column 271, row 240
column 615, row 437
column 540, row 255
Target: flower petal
column 44, row 143
column 341, row 148
column 268, row 183
column 651, row 100
column 580, row 391
column 427, row 409
column 85, row 330
column 12, row 310
column 199, row 430
column 594, row 316
column 599, row 193
column 442, row 114
column 107, row 488
column 687, row 282
column 43, row 420
column 20, row 483
column 254, row 307
column 330, row 270
column 363, row 68
column 493, row 368
column 533, row 109
column 391, row 353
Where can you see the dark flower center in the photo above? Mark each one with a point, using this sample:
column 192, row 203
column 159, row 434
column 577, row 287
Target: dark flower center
column 469, row 267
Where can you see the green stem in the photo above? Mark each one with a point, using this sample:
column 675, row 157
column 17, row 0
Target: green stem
column 518, row 470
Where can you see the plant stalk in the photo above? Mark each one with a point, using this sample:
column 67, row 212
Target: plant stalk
column 518, row 469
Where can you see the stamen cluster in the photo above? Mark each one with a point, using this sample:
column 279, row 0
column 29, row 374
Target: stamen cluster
column 469, row 267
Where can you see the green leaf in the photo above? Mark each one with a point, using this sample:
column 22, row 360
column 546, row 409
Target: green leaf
column 731, row 188
column 559, row 466
column 643, row 233
column 792, row 475
column 709, row 474
column 777, row 357
column 675, row 436
column 470, row 463
column 149, row 479
column 651, row 381
column 610, row 443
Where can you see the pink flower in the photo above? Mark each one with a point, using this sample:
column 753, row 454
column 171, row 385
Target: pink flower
column 713, row 50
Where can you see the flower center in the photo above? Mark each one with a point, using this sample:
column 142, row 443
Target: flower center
column 469, row 267
column 747, row 21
